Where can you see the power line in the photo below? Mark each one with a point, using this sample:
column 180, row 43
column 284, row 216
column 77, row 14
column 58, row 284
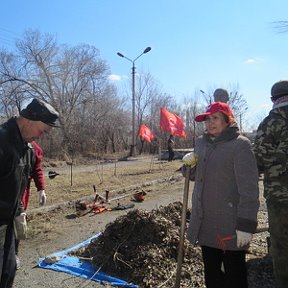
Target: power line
column 7, row 40
column 8, row 37
column 9, row 32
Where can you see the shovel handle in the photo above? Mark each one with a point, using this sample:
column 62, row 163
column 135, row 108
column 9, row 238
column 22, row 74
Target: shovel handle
column 96, row 194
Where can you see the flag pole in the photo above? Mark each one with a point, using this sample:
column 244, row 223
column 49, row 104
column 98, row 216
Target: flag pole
column 180, row 257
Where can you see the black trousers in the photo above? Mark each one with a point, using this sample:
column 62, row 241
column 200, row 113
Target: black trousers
column 171, row 155
column 8, row 259
column 235, row 270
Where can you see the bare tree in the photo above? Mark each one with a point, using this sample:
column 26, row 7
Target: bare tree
column 146, row 91
column 193, row 107
column 92, row 115
column 12, row 93
column 239, row 105
column 72, row 79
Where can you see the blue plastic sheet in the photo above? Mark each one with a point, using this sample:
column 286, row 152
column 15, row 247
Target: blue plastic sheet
column 74, row 266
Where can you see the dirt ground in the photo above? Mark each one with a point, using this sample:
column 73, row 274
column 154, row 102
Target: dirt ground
column 55, row 227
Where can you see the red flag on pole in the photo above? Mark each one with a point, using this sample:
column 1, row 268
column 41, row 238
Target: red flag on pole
column 171, row 123
column 145, row 133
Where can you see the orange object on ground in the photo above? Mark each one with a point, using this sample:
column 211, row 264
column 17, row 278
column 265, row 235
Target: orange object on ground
column 97, row 210
column 139, row 196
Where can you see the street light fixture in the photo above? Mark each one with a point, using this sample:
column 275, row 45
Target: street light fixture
column 206, row 95
column 133, row 145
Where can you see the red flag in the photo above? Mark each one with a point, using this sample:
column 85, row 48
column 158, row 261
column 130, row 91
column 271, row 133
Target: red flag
column 171, row 123
column 145, row 133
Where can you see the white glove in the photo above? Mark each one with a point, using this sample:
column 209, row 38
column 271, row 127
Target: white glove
column 243, row 238
column 190, row 159
column 42, row 197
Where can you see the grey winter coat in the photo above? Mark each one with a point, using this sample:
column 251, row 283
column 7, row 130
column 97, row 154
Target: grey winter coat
column 225, row 195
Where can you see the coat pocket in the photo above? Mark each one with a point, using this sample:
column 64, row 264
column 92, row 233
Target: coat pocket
column 20, row 225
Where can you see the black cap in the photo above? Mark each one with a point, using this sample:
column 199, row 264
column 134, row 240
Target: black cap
column 221, row 95
column 39, row 110
column 279, row 89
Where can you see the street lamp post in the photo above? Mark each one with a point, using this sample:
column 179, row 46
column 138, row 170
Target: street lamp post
column 133, row 145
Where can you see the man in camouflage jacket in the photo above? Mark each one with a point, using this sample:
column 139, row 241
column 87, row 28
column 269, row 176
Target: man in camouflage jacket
column 271, row 151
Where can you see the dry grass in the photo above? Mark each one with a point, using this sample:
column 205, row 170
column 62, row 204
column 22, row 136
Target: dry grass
column 78, row 182
column 113, row 176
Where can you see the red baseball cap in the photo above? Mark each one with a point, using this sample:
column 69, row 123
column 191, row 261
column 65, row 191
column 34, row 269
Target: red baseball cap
column 213, row 108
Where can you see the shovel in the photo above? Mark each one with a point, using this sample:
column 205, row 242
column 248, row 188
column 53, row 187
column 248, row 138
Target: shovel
column 180, row 257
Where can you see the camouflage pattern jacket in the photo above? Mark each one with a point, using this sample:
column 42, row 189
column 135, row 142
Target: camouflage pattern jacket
column 271, row 151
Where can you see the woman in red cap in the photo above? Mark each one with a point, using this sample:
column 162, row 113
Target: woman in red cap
column 225, row 199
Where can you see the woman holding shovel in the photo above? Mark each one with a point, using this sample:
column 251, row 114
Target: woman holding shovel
column 225, row 198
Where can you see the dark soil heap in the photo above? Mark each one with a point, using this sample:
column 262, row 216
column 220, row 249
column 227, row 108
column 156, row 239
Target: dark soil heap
column 141, row 247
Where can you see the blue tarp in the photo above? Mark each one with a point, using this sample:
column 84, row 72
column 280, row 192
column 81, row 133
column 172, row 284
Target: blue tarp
column 73, row 265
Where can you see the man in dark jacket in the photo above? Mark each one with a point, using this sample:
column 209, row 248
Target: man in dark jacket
column 15, row 157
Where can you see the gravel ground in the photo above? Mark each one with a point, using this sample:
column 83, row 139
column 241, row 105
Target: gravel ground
column 55, row 229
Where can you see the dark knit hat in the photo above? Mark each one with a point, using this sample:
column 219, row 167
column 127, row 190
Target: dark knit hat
column 221, row 95
column 279, row 89
column 39, row 110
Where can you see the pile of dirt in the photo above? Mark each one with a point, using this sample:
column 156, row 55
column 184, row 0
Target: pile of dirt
column 141, row 247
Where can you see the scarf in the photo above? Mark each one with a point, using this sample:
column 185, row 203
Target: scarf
column 280, row 102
